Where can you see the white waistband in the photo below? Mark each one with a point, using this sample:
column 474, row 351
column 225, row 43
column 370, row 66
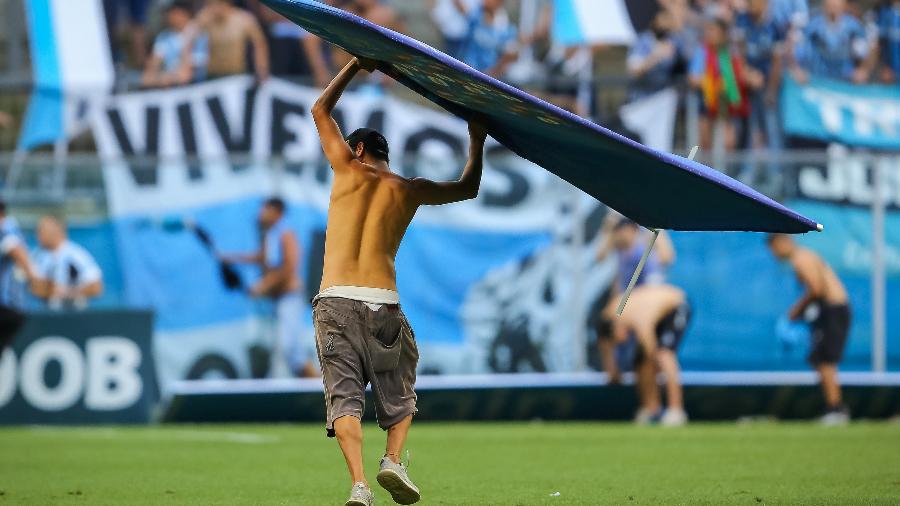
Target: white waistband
column 361, row 294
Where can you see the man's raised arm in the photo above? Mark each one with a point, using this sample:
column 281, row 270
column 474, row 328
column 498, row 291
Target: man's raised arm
column 336, row 148
column 466, row 188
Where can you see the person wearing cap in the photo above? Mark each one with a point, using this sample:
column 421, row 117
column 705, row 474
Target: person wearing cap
column 15, row 272
column 362, row 335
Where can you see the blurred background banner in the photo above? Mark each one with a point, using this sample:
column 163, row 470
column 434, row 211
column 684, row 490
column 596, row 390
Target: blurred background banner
column 92, row 367
column 862, row 116
column 71, row 65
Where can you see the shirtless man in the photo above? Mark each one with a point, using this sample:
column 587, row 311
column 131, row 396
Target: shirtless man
column 362, row 335
column 657, row 316
column 826, row 298
column 229, row 30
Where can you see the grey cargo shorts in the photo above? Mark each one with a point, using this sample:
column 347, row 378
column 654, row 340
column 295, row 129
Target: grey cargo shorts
column 358, row 345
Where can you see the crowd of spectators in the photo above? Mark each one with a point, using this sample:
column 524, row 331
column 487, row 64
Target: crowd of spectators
column 733, row 54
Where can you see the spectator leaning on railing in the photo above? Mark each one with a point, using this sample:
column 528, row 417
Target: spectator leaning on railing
column 164, row 67
column 67, row 276
column 834, row 45
column 230, row 30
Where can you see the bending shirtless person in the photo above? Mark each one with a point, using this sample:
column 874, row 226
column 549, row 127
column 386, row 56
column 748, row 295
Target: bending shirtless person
column 657, row 316
column 827, row 299
column 362, row 335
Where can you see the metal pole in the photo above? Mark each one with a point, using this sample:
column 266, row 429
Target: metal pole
column 879, row 303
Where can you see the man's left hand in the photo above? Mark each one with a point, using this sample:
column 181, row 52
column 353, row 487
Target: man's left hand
column 367, row 64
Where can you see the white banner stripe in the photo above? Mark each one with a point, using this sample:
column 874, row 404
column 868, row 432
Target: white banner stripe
column 82, row 45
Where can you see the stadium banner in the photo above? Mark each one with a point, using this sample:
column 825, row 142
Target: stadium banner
column 508, row 282
column 85, row 368
column 860, row 116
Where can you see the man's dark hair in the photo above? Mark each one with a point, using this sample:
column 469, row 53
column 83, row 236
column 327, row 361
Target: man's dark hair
column 625, row 223
column 276, row 203
column 2, row 207
column 373, row 142
column 184, row 5
column 771, row 238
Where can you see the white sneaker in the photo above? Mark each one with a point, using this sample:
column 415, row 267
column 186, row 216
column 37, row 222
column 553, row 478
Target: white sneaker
column 646, row 416
column 674, row 418
column 360, row 495
column 394, row 479
column 835, row 419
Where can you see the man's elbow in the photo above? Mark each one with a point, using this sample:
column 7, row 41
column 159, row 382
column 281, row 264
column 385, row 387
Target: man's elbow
column 468, row 194
column 319, row 109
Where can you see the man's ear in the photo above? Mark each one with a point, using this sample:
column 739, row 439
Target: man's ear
column 360, row 149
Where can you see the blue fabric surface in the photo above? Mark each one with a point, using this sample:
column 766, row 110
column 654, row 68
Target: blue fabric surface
column 657, row 190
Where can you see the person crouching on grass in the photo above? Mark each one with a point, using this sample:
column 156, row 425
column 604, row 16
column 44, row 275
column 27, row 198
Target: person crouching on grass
column 362, row 335
column 657, row 316
column 826, row 305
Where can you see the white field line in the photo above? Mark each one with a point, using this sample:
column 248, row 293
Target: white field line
column 191, row 435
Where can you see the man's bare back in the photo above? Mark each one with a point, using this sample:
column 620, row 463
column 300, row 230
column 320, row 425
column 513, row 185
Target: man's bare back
column 369, row 213
column 818, row 275
column 371, row 207
column 648, row 305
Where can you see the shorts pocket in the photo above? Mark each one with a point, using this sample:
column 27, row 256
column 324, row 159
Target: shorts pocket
column 385, row 357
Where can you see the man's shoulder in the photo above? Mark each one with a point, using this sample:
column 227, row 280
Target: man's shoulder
column 804, row 257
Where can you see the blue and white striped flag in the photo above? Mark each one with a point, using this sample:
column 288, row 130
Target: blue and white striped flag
column 581, row 22
column 72, row 67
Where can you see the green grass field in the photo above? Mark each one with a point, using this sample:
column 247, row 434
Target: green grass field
column 458, row 464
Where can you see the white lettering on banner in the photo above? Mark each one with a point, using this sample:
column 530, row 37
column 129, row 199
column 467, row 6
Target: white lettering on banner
column 108, row 374
column 35, row 360
column 7, row 377
column 114, row 382
column 847, row 178
column 871, row 116
column 858, row 257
